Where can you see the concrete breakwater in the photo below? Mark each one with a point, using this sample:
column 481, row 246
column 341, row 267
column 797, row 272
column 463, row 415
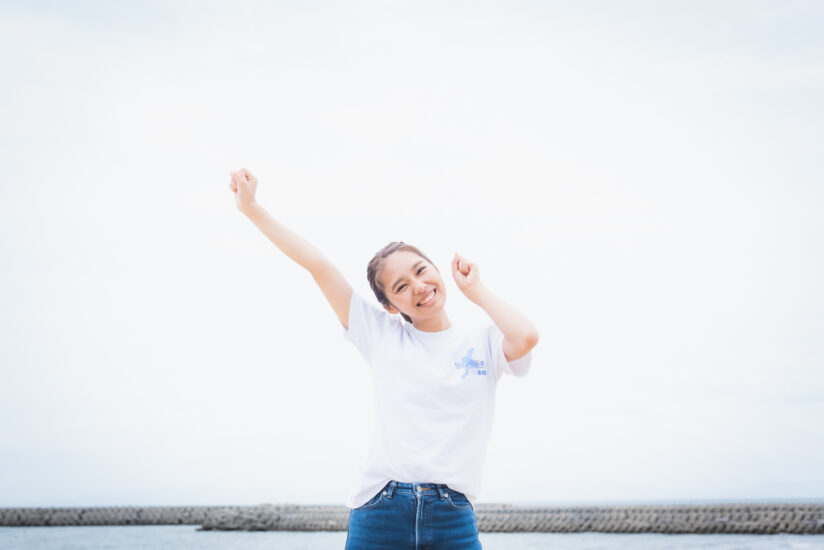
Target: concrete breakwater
column 503, row 518
column 112, row 515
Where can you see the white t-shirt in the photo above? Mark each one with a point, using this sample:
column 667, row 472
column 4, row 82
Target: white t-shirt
column 434, row 400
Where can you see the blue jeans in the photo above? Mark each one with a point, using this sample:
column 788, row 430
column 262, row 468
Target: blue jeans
column 414, row 516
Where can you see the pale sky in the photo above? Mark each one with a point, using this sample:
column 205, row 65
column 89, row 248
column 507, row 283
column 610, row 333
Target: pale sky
column 643, row 181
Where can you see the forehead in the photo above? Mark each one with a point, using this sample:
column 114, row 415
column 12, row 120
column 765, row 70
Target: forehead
column 398, row 264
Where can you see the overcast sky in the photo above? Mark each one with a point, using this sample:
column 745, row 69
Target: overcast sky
column 642, row 179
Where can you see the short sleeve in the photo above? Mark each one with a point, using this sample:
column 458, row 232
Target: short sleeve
column 368, row 325
column 518, row 367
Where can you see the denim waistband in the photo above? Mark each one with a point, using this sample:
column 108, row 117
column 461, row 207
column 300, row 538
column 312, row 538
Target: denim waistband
column 439, row 489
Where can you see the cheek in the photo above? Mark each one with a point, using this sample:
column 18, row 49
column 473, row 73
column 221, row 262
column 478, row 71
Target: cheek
column 402, row 297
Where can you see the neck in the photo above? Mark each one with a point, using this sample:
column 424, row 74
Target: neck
column 433, row 324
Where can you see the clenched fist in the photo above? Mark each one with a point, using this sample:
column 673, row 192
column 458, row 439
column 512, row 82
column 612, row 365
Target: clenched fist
column 467, row 277
column 243, row 184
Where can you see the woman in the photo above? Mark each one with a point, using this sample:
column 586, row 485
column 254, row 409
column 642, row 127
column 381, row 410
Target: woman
column 434, row 386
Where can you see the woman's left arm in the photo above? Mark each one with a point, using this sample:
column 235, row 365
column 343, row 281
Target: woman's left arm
column 520, row 335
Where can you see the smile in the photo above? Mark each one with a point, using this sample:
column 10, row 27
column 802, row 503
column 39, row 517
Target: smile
column 429, row 298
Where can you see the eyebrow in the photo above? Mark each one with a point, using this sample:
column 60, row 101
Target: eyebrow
column 414, row 267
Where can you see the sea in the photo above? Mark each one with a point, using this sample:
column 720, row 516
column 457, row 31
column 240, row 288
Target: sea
column 187, row 537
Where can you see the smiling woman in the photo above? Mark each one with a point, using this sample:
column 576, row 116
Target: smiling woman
column 434, row 385
column 387, row 266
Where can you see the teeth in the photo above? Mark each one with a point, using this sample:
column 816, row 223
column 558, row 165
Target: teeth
column 428, row 299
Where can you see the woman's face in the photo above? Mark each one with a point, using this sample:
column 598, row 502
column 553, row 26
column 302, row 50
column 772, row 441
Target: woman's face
column 412, row 285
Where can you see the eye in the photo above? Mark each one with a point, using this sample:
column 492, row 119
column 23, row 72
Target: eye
column 421, row 270
column 400, row 288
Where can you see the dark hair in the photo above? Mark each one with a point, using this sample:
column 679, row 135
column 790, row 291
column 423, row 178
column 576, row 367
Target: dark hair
column 375, row 267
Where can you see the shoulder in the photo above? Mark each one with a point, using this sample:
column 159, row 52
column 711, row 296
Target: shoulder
column 371, row 328
column 366, row 315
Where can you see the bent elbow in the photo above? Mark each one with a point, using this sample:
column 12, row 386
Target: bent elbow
column 531, row 340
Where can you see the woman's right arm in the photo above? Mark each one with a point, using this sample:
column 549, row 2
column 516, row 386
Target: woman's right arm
column 335, row 287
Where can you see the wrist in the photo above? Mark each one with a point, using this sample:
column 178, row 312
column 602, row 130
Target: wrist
column 246, row 208
column 477, row 293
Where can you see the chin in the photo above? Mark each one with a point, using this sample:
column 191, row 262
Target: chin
column 437, row 309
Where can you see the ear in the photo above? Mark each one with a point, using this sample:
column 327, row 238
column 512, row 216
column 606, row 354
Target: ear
column 391, row 309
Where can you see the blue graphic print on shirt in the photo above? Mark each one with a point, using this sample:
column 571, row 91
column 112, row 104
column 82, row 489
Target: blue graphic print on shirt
column 469, row 364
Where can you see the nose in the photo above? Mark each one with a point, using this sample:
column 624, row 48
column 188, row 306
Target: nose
column 420, row 287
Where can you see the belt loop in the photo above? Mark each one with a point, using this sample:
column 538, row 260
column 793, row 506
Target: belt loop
column 442, row 490
column 391, row 489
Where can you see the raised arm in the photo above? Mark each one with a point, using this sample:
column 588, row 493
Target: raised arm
column 335, row 287
column 520, row 335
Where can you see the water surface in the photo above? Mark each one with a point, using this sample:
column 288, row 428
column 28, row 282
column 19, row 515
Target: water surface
column 187, row 537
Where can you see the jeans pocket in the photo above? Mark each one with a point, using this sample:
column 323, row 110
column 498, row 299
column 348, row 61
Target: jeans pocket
column 458, row 500
column 374, row 501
